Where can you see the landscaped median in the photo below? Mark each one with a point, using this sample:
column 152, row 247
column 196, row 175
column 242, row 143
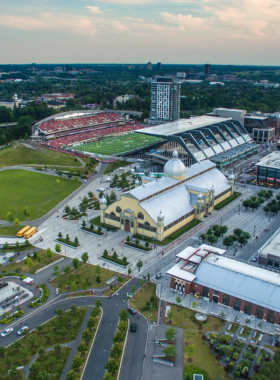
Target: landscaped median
column 113, row 365
column 11, row 317
column 67, row 241
column 61, row 329
column 136, row 244
column 43, row 297
column 84, row 348
column 92, row 230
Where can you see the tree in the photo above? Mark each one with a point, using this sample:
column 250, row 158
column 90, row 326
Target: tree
column 139, row 264
column 49, row 253
column 60, row 235
column 91, row 323
column 133, row 289
column 212, row 239
column 51, row 361
column 34, row 368
column 237, row 231
column 87, row 335
column 217, row 233
column 141, row 282
column 76, row 263
column 85, row 257
column 76, row 240
column 120, row 279
column 246, row 203
column 29, row 262
column 77, row 362
column 56, row 271
column 74, row 286
column 57, row 248
column 116, row 351
column 67, row 238
column 84, row 284
column 16, row 222
column 242, row 240
column 67, row 209
column 115, row 255
column 266, row 209
column 223, row 229
column 128, row 239
column 98, row 303
column 10, row 217
column 112, row 365
column 84, row 224
column 118, row 337
column 203, row 237
column 39, row 257
column 228, row 241
column 147, row 244
column 98, row 270
column 43, row 375
column 190, row 350
column 41, row 351
column 129, row 271
column 82, row 348
column 71, row 375
column 170, row 333
column 170, row 351
column 2, row 351
column 123, row 314
column 178, row 300
column 59, row 312
column 67, row 269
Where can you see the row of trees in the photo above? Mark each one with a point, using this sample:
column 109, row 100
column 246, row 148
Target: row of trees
column 238, row 235
column 212, row 235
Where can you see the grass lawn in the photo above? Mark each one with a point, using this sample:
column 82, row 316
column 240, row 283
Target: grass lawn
column 116, row 286
column 203, row 358
column 58, row 330
column 59, row 361
column 10, row 230
column 23, row 267
column 119, row 144
column 39, row 192
column 85, row 271
column 140, row 299
column 234, row 328
column 22, row 155
column 246, row 332
column 115, row 165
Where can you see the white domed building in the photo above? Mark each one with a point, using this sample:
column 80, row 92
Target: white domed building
column 160, row 207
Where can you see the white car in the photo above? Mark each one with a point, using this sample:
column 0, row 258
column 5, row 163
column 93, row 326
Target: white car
column 7, row 332
column 22, row 330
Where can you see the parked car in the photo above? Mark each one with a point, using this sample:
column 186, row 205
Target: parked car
column 24, row 328
column 133, row 327
column 6, row 332
column 131, row 310
column 255, row 259
column 198, row 295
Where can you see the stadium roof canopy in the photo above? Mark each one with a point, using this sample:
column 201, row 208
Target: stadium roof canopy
column 182, row 125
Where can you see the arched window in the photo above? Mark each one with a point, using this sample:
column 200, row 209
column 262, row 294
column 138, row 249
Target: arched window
column 180, row 287
column 112, row 213
column 118, row 209
column 147, row 224
column 140, row 215
column 183, row 290
column 176, row 285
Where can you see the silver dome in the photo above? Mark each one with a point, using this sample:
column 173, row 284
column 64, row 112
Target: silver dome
column 103, row 201
column 174, row 167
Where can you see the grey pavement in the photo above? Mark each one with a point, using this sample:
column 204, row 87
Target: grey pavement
column 156, row 371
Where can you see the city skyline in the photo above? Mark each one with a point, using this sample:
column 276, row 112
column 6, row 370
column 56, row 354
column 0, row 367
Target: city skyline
column 134, row 31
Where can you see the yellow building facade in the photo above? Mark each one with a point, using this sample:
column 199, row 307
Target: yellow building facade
column 162, row 206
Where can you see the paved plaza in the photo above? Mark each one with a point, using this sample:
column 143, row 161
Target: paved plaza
column 212, row 308
column 13, row 295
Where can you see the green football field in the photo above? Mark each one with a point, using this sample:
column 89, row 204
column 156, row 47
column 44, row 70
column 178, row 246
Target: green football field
column 116, row 145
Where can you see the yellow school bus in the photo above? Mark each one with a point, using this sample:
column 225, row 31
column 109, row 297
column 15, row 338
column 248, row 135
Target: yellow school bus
column 30, row 232
column 22, row 232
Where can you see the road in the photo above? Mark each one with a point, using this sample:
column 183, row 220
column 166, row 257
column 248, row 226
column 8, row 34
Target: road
column 99, row 355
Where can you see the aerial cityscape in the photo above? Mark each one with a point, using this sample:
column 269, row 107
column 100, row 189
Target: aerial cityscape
column 139, row 190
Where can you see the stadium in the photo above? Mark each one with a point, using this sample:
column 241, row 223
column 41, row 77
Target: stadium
column 221, row 140
column 104, row 133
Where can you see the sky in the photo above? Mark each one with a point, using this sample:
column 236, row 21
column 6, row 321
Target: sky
column 138, row 31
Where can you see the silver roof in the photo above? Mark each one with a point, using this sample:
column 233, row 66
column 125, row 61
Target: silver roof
column 153, row 187
column 240, row 285
column 206, row 180
column 173, row 203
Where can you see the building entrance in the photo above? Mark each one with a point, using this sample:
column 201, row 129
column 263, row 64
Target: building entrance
column 127, row 225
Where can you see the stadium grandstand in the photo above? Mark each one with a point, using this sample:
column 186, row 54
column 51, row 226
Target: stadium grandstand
column 71, row 128
column 221, row 140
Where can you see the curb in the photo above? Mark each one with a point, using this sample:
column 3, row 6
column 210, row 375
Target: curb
column 49, row 265
column 92, row 345
column 120, row 367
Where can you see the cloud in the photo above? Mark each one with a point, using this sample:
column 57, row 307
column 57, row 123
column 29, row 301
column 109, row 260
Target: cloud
column 120, row 26
column 49, row 21
column 185, row 21
column 93, row 10
column 134, row 19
